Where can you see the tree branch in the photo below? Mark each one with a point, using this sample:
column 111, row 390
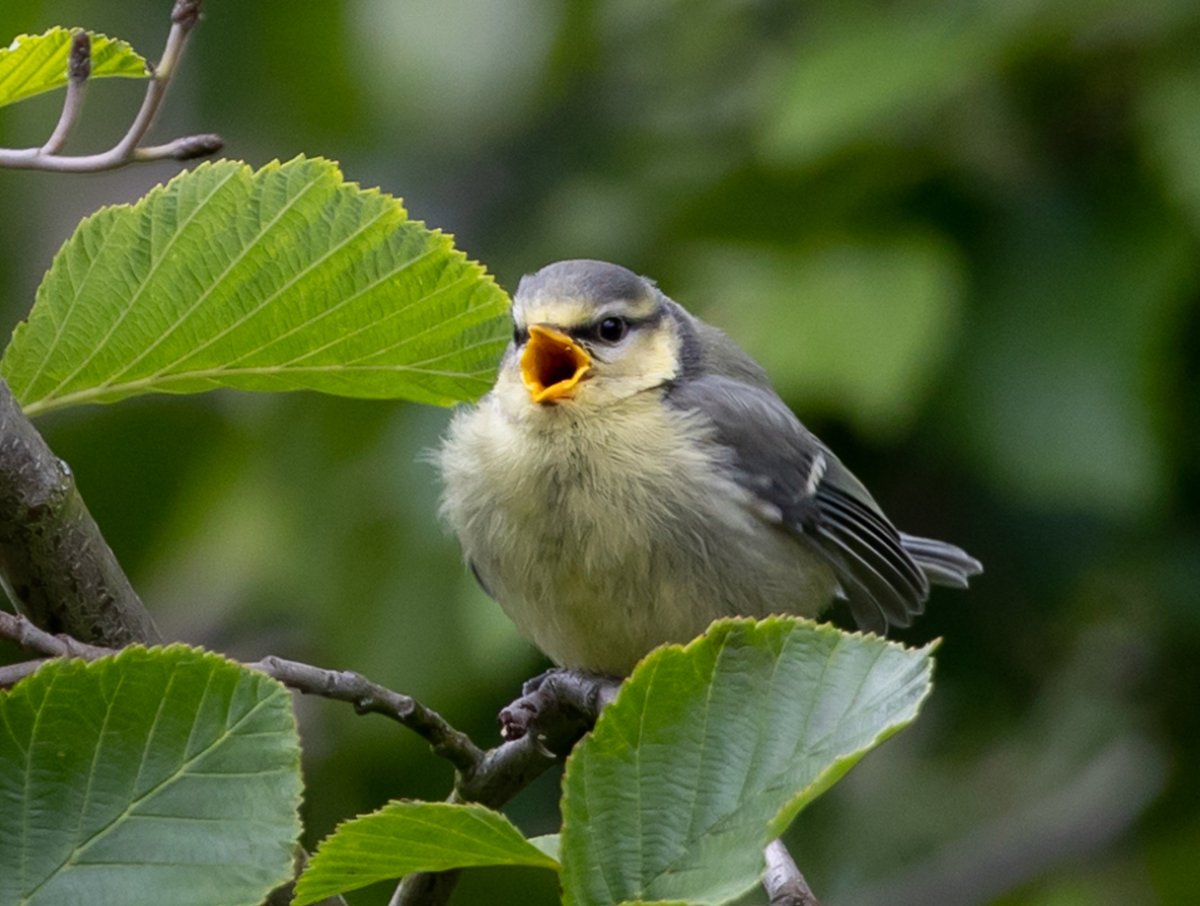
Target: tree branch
column 542, row 726
column 54, row 563
column 12, row 674
column 79, row 69
column 128, row 149
column 372, row 698
column 784, row 884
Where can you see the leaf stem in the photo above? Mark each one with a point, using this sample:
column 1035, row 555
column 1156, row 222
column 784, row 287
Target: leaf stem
column 128, row 149
column 783, row 882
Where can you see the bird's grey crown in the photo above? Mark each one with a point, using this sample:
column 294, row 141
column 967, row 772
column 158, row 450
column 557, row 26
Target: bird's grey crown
column 595, row 282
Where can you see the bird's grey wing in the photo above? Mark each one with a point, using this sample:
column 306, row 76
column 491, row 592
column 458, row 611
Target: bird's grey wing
column 816, row 498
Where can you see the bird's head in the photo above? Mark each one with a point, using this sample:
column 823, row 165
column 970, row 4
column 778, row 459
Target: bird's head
column 587, row 334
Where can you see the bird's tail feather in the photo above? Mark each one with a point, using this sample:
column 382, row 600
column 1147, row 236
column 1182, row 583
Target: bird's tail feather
column 942, row 563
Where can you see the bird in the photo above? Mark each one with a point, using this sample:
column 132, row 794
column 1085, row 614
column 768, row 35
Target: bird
column 632, row 476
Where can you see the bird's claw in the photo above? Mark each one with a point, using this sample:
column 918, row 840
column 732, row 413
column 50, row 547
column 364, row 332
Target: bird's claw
column 516, row 719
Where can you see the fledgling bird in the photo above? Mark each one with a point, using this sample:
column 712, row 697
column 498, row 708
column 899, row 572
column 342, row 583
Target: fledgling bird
column 632, row 476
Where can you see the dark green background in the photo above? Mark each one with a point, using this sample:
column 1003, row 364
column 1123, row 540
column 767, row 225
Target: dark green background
column 963, row 238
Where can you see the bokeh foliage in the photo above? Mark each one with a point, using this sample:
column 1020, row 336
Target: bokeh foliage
column 962, row 236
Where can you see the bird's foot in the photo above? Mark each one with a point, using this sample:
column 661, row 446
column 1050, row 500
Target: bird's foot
column 558, row 690
column 520, row 714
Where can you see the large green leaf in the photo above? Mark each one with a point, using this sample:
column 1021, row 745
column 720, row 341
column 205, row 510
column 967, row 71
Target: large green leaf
column 404, row 837
column 153, row 772
column 33, row 64
column 282, row 279
column 710, row 751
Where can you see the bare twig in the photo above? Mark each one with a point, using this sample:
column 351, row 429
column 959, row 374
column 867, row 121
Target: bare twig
column 489, row 777
column 128, row 149
column 368, row 697
column 12, row 674
column 30, row 637
column 79, row 68
column 54, row 563
column 783, row 882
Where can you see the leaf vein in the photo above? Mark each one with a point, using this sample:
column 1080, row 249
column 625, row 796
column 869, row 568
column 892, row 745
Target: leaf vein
column 103, row 341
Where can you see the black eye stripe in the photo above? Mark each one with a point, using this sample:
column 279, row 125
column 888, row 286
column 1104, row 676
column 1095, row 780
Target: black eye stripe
column 592, row 331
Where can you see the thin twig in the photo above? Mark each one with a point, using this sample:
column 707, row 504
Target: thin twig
column 783, row 882
column 128, row 149
column 23, row 631
column 79, row 69
column 372, row 698
column 12, row 674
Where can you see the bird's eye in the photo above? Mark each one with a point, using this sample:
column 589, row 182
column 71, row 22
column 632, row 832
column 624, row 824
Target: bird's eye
column 612, row 330
column 518, row 335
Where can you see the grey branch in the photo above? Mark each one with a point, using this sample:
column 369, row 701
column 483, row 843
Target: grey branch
column 128, row 149
column 489, row 777
column 54, row 563
column 784, row 884
column 372, row 698
column 542, row 726
column 31, row 638
column 79, row 68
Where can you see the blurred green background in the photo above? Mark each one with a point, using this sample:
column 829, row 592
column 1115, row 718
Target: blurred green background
column 963, row 238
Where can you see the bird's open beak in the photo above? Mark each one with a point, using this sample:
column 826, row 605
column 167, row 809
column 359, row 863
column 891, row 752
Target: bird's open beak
column 552, row 364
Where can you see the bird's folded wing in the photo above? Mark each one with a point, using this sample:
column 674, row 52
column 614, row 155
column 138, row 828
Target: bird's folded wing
column 812, row 495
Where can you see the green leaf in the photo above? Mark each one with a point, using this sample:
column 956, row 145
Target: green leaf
column 403, row 837
column 33, row 64
column 710, row 751
column 153, row 771
column 286, row 278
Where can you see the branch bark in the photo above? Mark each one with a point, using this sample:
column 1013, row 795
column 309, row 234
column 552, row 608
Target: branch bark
column 372, row 698
column 542, row 726
column 54, row 563
column 128, row 149
column 783, row 882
